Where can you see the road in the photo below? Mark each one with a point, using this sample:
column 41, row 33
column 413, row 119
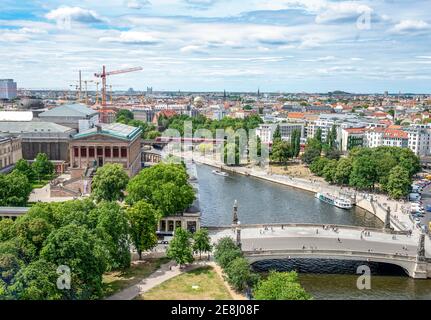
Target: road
column 297, row 238
column 426, row 199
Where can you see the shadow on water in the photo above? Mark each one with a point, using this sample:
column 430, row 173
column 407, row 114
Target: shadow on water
column 327, row 266
column 327, row 279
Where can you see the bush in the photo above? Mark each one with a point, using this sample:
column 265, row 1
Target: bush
column 280, row 286
column 226, row 251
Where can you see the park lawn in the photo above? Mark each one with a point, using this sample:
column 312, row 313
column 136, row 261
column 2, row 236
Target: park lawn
column 118, row 280
column 199, row 284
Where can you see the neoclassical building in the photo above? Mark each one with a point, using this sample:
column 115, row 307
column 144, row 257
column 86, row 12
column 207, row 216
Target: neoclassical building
column 106, row 143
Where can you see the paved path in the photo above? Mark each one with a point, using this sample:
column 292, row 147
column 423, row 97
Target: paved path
column 164, row 273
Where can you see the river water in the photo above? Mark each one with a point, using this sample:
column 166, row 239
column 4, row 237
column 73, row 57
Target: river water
column 260, row 201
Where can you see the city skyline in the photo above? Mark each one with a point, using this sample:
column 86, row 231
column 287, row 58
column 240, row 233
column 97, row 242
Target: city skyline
column 211, row 45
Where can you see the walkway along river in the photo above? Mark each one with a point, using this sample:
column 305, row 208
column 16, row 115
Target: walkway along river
column 266, row 202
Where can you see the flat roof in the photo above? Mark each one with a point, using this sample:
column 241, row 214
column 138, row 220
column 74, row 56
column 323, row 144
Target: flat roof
column 32, row 127
column 69, row 110
column 115, row 130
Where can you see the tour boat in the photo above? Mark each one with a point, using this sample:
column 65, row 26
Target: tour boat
column 220, row 173
column 342, row 203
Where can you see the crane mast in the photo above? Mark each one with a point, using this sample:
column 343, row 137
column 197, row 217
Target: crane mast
column 105, row 74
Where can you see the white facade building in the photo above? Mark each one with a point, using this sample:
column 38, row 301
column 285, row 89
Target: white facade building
column 419, row 140
column 266, row 131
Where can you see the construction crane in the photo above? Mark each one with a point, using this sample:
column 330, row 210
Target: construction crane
column 105, row 74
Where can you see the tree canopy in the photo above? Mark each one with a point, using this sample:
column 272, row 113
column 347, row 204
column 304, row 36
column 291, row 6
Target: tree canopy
column 109, row 182
column 165, row 186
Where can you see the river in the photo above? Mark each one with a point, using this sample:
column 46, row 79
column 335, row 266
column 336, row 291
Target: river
column 260, row 201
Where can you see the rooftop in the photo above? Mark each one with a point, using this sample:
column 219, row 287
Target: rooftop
column 116, row 130
column 69, row 110
column 32, row 126
column 16, row 115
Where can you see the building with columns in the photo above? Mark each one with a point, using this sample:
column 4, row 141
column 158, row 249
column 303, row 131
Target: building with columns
column 106, row 143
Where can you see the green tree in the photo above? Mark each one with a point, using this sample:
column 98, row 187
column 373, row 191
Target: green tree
column 180, row 248
column 10, row 264
column 42, row 167
column 165, row 186
column 23, row 167
column 318, row 135
column 344, row 168
column 329, row 171
column 239, row 274
column 15, row 189
column 124, row 116
column 201, row 242
column 281, row 151
column 143, row 218
column 109, row 182
column 37, row 281
column 33, row 230
column 226, row 251
column 280, row 286
column 277, row 134
column 309, row 155
column 318, row 165
column 7, row 229
column 76, row 247
column 364, row 174
column 113, row 228
column 399, row 182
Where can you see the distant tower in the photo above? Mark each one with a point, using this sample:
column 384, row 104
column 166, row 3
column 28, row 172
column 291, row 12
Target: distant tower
column 224, row 95
column 258, row 92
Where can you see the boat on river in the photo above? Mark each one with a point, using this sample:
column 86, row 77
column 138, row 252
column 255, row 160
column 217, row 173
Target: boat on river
column 220, row 173
column 339, row 202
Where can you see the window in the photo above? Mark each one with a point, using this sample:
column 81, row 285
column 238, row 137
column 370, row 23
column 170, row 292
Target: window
column 123, row 152
column 83, row 152
column 91, row 152
column 99, row 151
column 116, row 152
column 76, row 151
column 108, row 152
column 170, row 226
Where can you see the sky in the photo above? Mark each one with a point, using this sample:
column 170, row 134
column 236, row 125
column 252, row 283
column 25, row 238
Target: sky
column 214, row 45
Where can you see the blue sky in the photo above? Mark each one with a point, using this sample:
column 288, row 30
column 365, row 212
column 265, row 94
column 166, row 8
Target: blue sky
column 211, row 45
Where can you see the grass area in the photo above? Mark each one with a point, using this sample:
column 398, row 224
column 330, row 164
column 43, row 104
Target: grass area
column 41, row 184
column 118, row 280
column 199, row 284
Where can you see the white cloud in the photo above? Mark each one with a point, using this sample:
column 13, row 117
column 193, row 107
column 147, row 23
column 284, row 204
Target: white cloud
column 138, row 4
column 76, row 14
column 407, row 26
column 342, row 10
column 132, row 37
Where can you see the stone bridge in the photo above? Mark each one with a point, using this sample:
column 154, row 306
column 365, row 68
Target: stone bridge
column 284, row 241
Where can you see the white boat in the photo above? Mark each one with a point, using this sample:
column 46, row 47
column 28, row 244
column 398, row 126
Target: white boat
column 220, row 173
column 342, row 203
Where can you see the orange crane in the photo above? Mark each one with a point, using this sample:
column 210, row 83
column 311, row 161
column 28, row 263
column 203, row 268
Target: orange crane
column 105, row 74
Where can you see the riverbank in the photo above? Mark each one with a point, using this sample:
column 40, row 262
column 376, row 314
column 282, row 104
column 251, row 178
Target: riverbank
column 375, row 204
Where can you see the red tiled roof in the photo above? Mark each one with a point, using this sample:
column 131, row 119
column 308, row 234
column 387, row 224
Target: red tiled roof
column 355, row 130
column 394, row 133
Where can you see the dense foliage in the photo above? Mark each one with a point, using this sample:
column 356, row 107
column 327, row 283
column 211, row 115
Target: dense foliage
column 165, row 186
column 388, row 168
column 109, row 182
column 280, row 286
column 87, row 239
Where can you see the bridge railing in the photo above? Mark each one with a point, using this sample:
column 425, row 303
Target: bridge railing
column 302, row 225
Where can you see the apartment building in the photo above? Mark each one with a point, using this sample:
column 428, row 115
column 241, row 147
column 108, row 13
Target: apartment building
column 266, row 131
